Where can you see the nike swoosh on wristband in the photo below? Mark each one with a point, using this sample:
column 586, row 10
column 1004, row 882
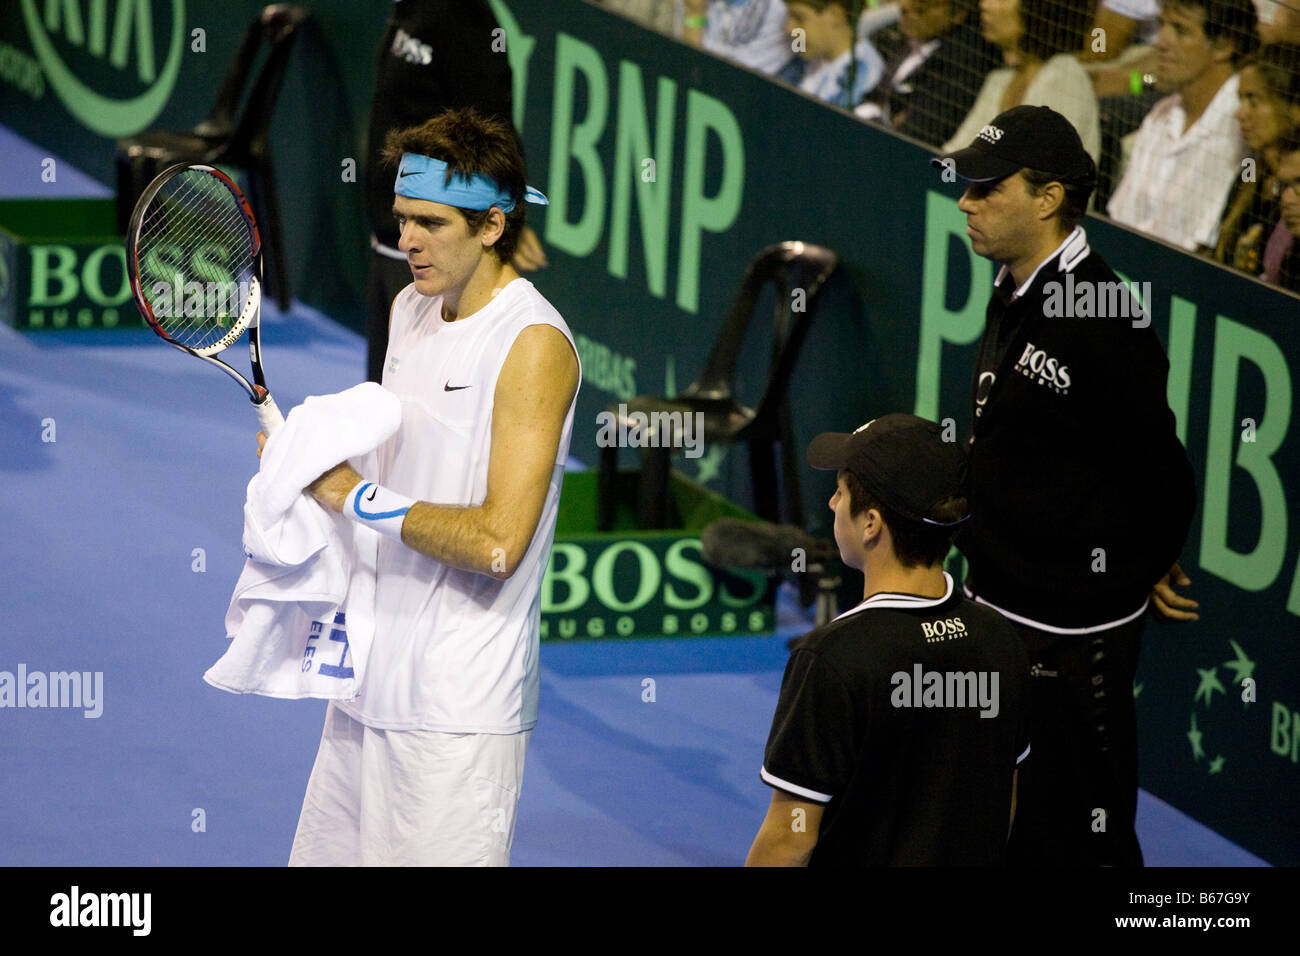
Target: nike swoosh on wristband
column 376, row 515
column 373, row 491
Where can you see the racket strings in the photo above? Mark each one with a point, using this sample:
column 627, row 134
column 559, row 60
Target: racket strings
column 191, row 221
column 195, row 249
column 190, row 319
column 196, row 216
column 183, row 318
column 197, row 302
column 201, row 209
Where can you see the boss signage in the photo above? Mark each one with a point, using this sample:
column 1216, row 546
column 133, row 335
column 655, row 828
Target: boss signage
column 62, row 267
column 65, row 285
column 653, row 585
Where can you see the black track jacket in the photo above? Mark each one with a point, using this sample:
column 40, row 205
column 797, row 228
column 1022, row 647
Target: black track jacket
column 1080, row 492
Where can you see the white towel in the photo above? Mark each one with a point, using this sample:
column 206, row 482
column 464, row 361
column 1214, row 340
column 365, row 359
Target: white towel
column 301, row 619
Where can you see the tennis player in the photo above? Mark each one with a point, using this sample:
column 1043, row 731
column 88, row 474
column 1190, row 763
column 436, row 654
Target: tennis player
column 901, row 723
column 425, row 767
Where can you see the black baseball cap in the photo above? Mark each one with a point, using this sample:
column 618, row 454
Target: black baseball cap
column 900, row 459
column 1024, row 137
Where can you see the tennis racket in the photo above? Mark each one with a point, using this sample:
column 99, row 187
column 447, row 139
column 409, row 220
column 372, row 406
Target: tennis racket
column 194, row 256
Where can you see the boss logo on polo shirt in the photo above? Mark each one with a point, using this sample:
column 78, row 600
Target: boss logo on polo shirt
column 943, row 630
column 1041, row 368
column 990, row 134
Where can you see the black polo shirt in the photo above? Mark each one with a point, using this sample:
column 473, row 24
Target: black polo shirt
column 906, row 717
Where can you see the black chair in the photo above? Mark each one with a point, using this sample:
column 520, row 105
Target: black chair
column 789, row 267
column 230, row 136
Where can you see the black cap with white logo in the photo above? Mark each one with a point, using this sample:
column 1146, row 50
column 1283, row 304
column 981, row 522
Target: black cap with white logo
column 900, row 459
column 1024, row 137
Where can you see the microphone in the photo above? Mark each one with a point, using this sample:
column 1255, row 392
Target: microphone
column 734, row 543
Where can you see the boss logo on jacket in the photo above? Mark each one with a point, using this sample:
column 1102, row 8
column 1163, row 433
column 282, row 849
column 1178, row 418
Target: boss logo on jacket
column 1042, row 369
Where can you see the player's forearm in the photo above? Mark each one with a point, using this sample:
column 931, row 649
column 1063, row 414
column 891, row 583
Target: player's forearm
column 772, row 847
column 481, row 539
column 475, row 539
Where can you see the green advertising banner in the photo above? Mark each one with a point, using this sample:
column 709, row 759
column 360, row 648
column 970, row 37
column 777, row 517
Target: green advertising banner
column 647, row 585
column 667, row 170
column 62, row 266
column 78, row 75
column 627, row 583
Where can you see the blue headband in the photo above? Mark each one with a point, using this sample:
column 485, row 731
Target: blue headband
column 423, row 177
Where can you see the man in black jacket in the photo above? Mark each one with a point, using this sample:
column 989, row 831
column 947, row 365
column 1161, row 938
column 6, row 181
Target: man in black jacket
column 935, row 62
column 1081, row 494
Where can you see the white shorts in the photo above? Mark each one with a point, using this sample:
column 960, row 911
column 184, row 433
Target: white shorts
column 409, row 797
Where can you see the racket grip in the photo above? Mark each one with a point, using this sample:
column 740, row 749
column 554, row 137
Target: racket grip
column 268, row 413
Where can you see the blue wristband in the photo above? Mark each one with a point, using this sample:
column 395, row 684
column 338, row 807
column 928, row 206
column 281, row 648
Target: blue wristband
column 376, row 507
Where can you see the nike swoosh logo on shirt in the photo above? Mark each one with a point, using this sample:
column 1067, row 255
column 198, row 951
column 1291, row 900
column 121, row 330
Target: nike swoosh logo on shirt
column 454, row 388
column 373, row 491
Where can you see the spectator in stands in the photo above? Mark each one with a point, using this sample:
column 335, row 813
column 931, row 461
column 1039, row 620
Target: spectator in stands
column 1189, row 148
column 935, row 60
column 874, row 19
column 822, row 34
column 751, row 32
column 1282, row 252
column 1128, row 34
column 1279, row 21
column 1038, row 39
column 1119, row 54
column 666, row 16
column 1269, row 114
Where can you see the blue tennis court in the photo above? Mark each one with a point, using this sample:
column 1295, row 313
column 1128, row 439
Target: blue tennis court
column 125, row 466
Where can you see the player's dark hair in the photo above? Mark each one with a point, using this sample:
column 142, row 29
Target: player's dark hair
column 1052, row 27
column 471, row 143
column 1234, row 20
column 1077, row 193
column 916, row 544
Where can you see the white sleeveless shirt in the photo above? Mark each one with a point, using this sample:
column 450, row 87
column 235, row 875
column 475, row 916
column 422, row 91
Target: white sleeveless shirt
column 455, row 651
